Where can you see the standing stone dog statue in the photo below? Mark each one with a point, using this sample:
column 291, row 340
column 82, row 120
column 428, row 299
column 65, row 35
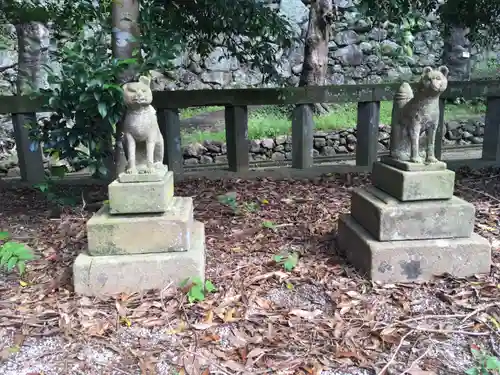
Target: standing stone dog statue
column 417, row 112
column 141, row 132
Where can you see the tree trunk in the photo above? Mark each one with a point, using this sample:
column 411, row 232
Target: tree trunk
column 314, row 68
column 33, row 40
column 456, row 53
column 125, row 15
column 33, row 43
column 456, row 56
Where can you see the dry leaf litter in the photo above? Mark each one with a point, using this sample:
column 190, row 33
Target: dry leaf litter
column 319, row 318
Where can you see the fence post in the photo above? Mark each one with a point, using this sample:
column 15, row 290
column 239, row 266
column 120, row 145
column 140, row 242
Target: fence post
column 170, row 127
column 491, row 139
column 438, row 145
column 302, row 137
column 30, row 157
column 367, row 133
column 237, row 138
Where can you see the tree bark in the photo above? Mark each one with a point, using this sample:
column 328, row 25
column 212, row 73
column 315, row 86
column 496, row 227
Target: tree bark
column 125, row 14
column 456, row 53
column 33, row 43
column 314, row 68
column 33, row 40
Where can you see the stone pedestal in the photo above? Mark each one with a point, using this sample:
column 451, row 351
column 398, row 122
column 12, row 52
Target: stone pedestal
column 143, row 238
column 409, row 226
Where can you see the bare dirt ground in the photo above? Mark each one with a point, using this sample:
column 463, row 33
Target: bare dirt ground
column 319, row 318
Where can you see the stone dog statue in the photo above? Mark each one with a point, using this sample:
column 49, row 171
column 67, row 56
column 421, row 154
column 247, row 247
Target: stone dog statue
column 417, row 112
column 142, row 134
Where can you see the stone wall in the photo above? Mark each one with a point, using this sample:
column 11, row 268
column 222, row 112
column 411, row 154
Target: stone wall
column 358, row 53
column 340, row 142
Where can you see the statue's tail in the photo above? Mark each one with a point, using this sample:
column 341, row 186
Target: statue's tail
column 403, row 95
column 401, row 98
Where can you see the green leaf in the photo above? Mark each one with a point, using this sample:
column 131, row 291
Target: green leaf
column 278, row 258
column 43, row 186
column 21, row 266
column 472, row 371
column 11, row 263
column 103, row 109
column 6, row 255
column 492, row 363
column 196, row 293
column 184, row 282
column 4, row 236
column 209, row 286
column 291, row 262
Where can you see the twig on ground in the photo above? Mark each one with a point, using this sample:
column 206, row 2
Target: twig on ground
column 448, row 331
column 398, row 348
column 113, row 368
column 415, row 362
column 478, row 310
column 494, row 346
column 424, row 317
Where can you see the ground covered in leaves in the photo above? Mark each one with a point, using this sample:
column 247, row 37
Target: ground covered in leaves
column 317, row 317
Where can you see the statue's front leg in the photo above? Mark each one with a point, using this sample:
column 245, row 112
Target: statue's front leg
column 431, row 141
column 150, row 149
column 131, row 161
column 414, row 143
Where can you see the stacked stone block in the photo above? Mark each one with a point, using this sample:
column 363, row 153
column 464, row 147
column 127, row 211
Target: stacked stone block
column 409, row 226
column 143, row 238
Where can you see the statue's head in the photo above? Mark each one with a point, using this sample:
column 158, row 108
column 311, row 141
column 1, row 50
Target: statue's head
column 434, row 81
column 138, row 94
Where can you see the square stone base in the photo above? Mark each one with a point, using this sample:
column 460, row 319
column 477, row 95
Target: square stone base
column 145, row 233
column 388, row 219
column 413, row 185
column 413, row 167
column 408, row 261
column 141, row 197
column 157, row 175
column 108, row 275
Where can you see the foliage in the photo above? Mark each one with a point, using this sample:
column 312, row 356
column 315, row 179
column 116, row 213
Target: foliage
column 13, row 254
column 230, row 200
column 486, row 364
column 269, row 225
column 84, row 95
column 289, row 261
column 248, row 29
column 48, row 188
column 481, row 16
column 196, row 290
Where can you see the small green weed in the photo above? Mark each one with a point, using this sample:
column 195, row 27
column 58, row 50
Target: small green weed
column 48, row 188
column 486, row 364
column 269, row 225
column 289, row 260
column 196, row 290
column 230, row 200
column 13, row 254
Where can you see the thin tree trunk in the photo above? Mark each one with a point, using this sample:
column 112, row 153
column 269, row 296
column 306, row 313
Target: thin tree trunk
column 314, row 69
column 125, row 15
column 456, row 53
column 33, row 43
column 33, row 40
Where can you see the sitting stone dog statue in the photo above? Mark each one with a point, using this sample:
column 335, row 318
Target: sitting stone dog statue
column 417, row 112
column 142, row 134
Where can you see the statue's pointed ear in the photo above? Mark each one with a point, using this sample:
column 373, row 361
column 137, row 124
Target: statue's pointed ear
column 427, row 70
column 145, row 80
column 444, row 69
